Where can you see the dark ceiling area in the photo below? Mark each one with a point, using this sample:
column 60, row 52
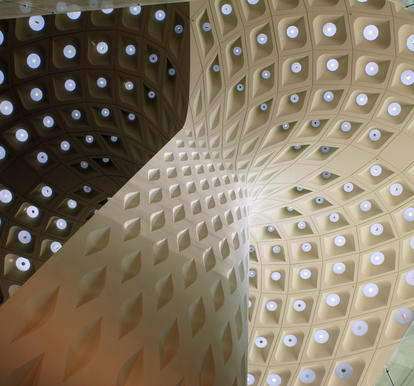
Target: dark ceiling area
column 93, row 97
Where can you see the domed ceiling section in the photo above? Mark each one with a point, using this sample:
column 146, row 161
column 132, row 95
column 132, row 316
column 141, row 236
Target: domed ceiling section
column 86, row 99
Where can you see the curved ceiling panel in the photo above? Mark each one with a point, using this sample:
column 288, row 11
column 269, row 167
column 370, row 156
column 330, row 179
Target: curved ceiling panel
column 86, row 100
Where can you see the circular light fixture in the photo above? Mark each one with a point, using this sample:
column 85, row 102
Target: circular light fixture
column 107, row 11
column 263, row 107
column 252, row 273
column 46, row 191
column 135, row 10
column 24, row 237
column 307, row 376
column 305, row 274
column 250, row 379
column 130, row 49
column 407, row 77
column 299, row 305
column 226, row 9
column 306, row 247
column 105, row 112
column 375, row 170
column 403, row 316
column 292, row 32
column 151, row 94
column 131, row 116
column 42, row 157
column 89, row 139
column 339, row 268
column 69, row 51
column 102, row 48
column 315, row 123
column 6, row 107
column 252, row 2
column 249, row 304
column 410, row 42
column 2, row 153
column 371, row 69
column 262, row 38
column 206, row 27
column 72, row 204
column 33, row 61
column 294, row 98
column 409, row 278
column 371, row 32
column 296, row 67
column 409, row 214
column 74, row 15
column 321, row 336
column 346, row 127
column 240, row 87
column 370, row 290
column 334, row 217
column 396, row 189
column 32, row 211
column 319, row 200
column 271, row 306
column 329, row 30
column 266, row 74
column 178, row 29
column 365, row 206
column 328, row 96
column 377, row 258
column 36, row 94
column 171, row 71
column 273, row 379
column 36, row 23
column 332, row 65
column 1, row 38
column 48, row 121
column 22, row 135
column 1, row 77
column 343, row 370
column 87, row 189
column 348, row 187
column 394, row 109
column 374, row 135
column 160, row 15
column 340, row 241
column 129, row 85
column 114, row 138
column 6, row 196
column 70, row 85
column 61, row 224
column 237, row 51
column 376, row 229
column 326, row 175
column 359, row 328
column 84, row 164
column 361, row 99
column 153, row 58
column 101, row 82
column 276, row 276
column 251, row 249
column 290, row 340
column 65, row 145
column 22, row 264
column 332, row 300
column 325, row 149
column 270, row 228
column 276, row 249
column 76, row 114
column 260, row 342
column 301, row 225
column 55, row 246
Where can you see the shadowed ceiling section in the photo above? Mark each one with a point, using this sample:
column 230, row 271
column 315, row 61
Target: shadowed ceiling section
column 94, row 96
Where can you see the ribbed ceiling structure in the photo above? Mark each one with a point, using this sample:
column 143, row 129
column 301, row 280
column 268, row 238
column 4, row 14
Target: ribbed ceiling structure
column 94, row 97
column 300, row 126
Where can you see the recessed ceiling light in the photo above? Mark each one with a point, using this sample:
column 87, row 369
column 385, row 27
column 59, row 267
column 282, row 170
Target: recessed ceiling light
column 299, row 305
column 365, row 206
column 332, row 300
column 24, row 237
column 102, row 48
column 42, row 157
column 307, row 376
column 260, row 342
column 376, row 229
column 359, row 328
column 273, row 379
column 271, row 306
column 332, row 65
column 394, row 109
column 375, row 170
column 226, row 9
column 72, row 204
column 361, row 99
column 407, row 77
column 250, row 379
column 61, row 224
column 344, row 370
column 370, row 290
column 22, row 135
column 69, row 51
column 74, row 15
column 23, row 264
column 292, row 32
column 276, row 276
column 33, row 60
column 36, row 23
column 296, row 67
column 410, row 42
column 135, row 10
column 321, row 336
column 371, row 32
column 65, row 145
column 55, row 246
column 160, row 15
column 6, row 196
column 6, row 107
column 409, row 214
column 339, row 268
column 377, row 258
column 374, row 135
column 262, row 38
column 47, row 191
column 290, row 340
column 36, row 94
column 371, row 69
column 329, row 30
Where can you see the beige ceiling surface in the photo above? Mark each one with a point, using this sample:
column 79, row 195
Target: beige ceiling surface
column 344, row 237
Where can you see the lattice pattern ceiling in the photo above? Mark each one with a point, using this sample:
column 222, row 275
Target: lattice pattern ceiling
column 87, row 100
